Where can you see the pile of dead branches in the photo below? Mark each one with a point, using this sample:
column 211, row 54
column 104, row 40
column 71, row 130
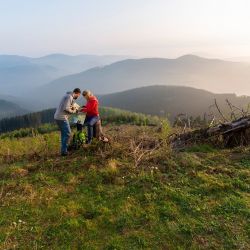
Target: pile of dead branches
column 227, row 132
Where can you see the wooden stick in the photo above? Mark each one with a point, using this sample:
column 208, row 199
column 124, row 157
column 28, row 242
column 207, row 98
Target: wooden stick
column 217, row 107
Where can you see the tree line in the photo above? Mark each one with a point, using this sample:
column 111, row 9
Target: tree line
column 109, row 115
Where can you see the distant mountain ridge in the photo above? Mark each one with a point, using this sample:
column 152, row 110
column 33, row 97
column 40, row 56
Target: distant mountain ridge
column 9, row 109
column 21, row 74
column 212, row 74
column 75, row 64
column 31, row 77
column 26, row 103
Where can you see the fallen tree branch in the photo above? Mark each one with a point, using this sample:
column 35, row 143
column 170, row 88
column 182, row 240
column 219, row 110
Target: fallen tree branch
column 218, row 108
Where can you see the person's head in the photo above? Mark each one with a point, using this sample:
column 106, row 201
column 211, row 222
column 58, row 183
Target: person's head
column 87, row 94
column 76, row 93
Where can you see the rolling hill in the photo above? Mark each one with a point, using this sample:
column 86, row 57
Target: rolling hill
column 74, row 64
column 210, row 74
column 19, row 74
column 8, row 109
column 25, row 103
column 159, row 100
column 170, row 100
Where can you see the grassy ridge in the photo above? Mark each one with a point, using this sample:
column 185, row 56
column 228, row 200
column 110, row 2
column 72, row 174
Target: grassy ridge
column 97, row 199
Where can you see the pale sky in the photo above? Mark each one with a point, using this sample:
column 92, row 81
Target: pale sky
column 160, row 28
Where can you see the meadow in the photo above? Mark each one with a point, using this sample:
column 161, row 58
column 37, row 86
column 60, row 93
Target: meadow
column 134, row 193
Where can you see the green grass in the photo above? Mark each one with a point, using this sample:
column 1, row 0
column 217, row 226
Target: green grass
column 203, row 148
column 97, row 199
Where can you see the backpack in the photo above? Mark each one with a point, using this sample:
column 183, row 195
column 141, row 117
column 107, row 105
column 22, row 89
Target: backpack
column 79, row 138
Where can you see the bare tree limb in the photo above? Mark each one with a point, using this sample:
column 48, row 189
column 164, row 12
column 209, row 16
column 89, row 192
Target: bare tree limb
column 218, row 108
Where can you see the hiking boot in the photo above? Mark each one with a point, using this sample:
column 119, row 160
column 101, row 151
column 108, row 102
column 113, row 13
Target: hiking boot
column 65, row 154
column 70, row 148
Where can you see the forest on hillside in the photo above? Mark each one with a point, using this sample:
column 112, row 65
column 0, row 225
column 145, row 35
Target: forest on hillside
column 108, row 115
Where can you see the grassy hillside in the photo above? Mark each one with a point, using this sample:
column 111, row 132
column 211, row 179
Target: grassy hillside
column 107, row 197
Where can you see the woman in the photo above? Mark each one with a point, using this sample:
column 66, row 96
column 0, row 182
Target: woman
column 92, row 120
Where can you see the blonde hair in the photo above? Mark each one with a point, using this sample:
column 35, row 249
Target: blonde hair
column 87, row 93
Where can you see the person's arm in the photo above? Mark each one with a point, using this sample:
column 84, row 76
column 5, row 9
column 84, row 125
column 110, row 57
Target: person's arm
column 90, row 106
column 81, row 109
column 68, row 106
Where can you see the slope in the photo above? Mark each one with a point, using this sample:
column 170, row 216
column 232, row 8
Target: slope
column 210, row 74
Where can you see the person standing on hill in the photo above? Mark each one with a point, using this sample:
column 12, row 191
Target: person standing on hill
column 92, row 120
column 62, row 113
column 92, row 113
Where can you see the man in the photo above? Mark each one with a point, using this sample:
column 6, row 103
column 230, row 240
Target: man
column 63, row 111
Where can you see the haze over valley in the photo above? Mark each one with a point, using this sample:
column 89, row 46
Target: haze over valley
column 111, row 47
column 38, row 83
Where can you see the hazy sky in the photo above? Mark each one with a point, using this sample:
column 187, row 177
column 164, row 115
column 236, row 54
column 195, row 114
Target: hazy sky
column 163, row 28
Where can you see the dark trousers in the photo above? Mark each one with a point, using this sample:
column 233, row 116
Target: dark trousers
column 90, row 122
